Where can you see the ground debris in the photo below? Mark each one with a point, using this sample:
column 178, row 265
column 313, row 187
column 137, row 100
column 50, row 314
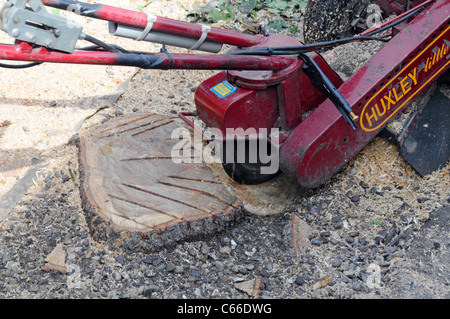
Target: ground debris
column 56, row 260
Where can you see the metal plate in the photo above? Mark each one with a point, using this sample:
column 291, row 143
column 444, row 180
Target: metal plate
column 427, row 147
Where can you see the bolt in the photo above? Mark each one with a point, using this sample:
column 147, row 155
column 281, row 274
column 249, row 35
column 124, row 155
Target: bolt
column 57, row 32
column 16, row 19
column 15, row 33
column 30, row 37
column 48, row 43
column 354, row 117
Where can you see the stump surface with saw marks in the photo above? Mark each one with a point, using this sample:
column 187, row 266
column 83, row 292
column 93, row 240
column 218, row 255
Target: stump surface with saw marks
column 134, row 194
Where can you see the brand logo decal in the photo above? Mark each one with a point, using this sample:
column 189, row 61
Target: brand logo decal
column 387, row 102
column 224, row 89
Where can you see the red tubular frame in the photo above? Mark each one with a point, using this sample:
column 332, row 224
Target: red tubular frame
column 164, row 25
column 24, row 52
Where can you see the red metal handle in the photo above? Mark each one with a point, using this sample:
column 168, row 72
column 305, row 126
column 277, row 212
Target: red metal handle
column 165, row 25
column 25, row 52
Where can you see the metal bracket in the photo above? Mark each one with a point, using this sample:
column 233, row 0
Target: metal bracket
column 29, row 21
column 321, row 82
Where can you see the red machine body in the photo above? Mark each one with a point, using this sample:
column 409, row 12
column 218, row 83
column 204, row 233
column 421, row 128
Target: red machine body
column 261, row 99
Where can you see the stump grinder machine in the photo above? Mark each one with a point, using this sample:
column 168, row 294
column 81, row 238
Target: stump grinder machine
column 315, row 121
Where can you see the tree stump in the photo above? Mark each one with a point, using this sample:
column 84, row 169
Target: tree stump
column 134, row 194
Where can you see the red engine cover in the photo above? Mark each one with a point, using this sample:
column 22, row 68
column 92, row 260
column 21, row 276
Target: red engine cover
column 260, row 99
column 222, row 105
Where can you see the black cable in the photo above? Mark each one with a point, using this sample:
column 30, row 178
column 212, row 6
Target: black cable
column 314, row 46
column 306, row 48
column 108, row 47
column 405, row 5
column 19, row 66
column 323, row 83
column 90, row 48
column 324, row 45
column 99, row 48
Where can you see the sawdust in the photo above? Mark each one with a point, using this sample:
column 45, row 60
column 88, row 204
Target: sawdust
column 379, row 166
column 270, row 198
column 45, row 106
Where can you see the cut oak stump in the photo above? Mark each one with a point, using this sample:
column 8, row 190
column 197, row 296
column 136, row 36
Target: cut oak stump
column 136, row 197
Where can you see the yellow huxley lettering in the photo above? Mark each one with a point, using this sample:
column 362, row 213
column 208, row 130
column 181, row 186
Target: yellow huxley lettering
column 392, row 98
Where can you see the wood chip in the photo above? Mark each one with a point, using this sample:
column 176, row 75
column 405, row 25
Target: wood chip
column 300, row 235
column 251, row 287
column 321, row 283
column 56, row 260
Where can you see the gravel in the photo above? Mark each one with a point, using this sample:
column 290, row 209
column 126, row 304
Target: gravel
column 211, row 268
column 371, row 237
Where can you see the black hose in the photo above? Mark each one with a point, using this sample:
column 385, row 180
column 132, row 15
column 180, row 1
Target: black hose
column 405, row 5
column 306, row 48
column 19, row 66
column 325, row 45
column 106, row 46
